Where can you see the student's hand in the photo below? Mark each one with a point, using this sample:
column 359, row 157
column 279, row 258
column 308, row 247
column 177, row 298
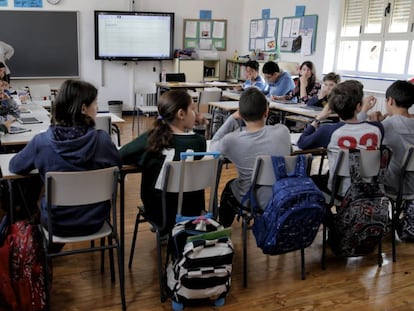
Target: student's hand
column 283, row 97
column 200, row 119
column 237, row 87
column 236, row 115
column 325, row 113
column 8, row 123
column 303, row 81
column 368, row 103
column 323, row 92
column 377, row 116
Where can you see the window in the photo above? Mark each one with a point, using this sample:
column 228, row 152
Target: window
column 377, row 39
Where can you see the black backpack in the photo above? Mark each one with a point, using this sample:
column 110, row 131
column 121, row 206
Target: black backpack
column 361, row 219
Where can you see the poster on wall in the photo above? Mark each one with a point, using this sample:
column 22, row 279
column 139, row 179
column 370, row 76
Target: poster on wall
column 205, row 34
column 299, row 34
column 263, row 34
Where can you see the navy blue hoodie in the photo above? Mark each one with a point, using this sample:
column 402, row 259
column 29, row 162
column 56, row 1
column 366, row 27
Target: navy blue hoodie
column 69, row 149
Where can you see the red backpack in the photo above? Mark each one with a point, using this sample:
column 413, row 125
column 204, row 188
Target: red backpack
column 22, row 278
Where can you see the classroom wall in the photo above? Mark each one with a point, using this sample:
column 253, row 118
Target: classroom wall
column 121, row 80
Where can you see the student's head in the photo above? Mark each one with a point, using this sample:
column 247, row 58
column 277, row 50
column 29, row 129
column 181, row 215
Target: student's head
column 175, row 109
column 253, row 105
column 307, row 69
column 346, row 99
column 330, row 80
column 402, row 93
column 271, row 71
column 252, row 68
column 75, row 104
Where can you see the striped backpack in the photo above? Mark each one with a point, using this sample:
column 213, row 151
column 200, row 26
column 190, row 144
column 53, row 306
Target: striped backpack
column 201, row 264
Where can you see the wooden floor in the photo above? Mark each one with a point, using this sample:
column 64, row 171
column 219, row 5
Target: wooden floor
column 274, row 281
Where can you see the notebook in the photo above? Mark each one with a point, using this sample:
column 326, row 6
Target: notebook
column 29, row 120
column 17, row 130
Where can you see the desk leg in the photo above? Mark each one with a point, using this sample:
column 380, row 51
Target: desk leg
column 122, row 222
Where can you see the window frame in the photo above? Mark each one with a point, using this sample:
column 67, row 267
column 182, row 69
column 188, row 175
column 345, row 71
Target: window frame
column 383, row 36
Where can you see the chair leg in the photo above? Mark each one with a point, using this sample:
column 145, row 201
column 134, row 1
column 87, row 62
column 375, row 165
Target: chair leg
column 134, row 239
column 393, row 241
column 302, row 259
column 244, row 238
column 160, row 271
column 102, row 254
column 323, row 259
column 46, row 274
column 121, row 275
column 380, row 253
column 111, row 259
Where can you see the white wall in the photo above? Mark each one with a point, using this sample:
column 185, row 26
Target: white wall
column 120, row 80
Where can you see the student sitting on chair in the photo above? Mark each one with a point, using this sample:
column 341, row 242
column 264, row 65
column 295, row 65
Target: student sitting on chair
column 330, row 80
column 242, row 145
column 398, row 131
column 71, row 143
column 307, row 86
column 347, row 101
column 253, row 78
column 172, row 134
column 279, row 82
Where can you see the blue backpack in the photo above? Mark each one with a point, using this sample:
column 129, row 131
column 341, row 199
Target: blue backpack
column 293, row 215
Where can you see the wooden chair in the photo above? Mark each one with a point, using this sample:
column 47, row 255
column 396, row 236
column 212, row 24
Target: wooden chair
column 180, row 177
column 75, row 189
column 263, row 175
column 398, row 199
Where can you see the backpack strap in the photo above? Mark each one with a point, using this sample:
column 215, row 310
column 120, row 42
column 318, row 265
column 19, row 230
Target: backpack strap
column 354, row 166
column 301, row 166
column 279, row 167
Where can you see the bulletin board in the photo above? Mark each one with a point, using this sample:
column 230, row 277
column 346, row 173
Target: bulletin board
column 205, row 34
column 299, row 34
column 263, row 34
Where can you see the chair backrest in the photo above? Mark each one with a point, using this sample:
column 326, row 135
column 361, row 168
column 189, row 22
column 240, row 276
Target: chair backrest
column 81, row 187
column 407, row 175
column 263, row 172
column 370, row 162
column 174, row 77
column 206, row 96
column 192, row 175
column 104, row 123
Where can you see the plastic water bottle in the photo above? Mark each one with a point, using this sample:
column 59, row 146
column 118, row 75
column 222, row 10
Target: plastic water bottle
column 163, row 76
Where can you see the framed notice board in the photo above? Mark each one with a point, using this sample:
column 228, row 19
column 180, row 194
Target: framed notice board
column 263, row 34
column 299, row 34
column 205, row 34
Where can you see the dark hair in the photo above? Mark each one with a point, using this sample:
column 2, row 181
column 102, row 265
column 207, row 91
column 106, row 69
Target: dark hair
column 312, row 78
column 253, row 64
column 252, row 105
column 402, row 92
column 345, row 98
column 2, row 65
column 332, row 76
column 161, row 136
column 270, row 68
column 67, row 108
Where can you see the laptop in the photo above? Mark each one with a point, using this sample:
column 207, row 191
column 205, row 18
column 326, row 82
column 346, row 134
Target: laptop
column 29, row 120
